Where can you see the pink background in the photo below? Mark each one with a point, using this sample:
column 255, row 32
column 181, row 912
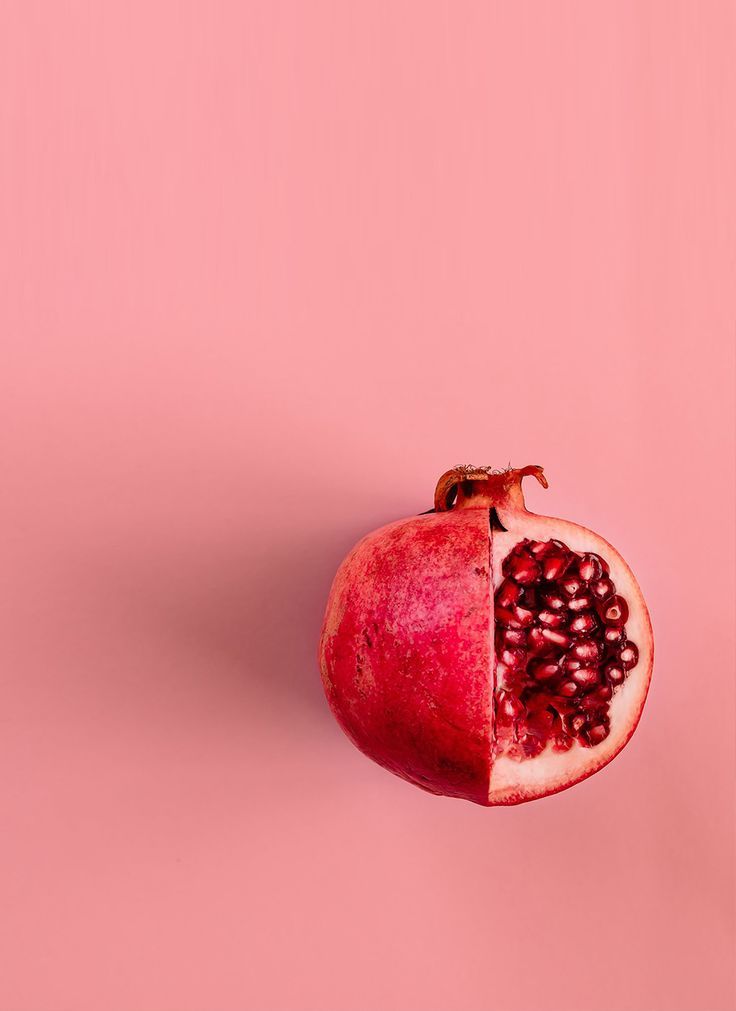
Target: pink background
column 267, row 270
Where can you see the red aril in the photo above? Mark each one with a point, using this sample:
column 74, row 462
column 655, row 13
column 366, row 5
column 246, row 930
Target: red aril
column 583, row 602
column 485, row 652
column 554, row 638
column 628, row 655
column 602, row 589
column 587, row 649
column 586, row 677
column 583, row 624
column 614, row 612
column 552, row 598
column 613, row 635
column 508, row 593
column 591, row 567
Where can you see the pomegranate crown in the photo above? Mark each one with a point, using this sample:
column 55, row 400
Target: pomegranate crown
column 466, row 486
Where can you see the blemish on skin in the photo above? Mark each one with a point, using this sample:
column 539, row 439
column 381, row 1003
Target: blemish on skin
column 326, row 680
column 364, row 681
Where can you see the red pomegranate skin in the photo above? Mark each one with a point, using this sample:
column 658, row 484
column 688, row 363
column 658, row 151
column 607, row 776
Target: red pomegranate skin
column 407, row 678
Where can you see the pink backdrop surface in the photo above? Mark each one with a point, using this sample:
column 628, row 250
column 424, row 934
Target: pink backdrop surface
column 267, row 270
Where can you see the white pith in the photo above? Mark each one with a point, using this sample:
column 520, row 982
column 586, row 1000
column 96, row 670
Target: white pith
column 513, row 780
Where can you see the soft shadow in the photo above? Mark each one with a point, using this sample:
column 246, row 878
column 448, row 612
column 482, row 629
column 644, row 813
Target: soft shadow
column 249, row 618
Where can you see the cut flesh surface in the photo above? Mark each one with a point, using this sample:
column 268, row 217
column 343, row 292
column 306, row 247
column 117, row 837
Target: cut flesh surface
column 571, row 667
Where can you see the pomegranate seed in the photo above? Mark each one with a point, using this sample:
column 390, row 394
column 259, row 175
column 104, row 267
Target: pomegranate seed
column 586, row 677
column 537, row 642
column 614, row 674
column 524, row 618
column 516, row 617
column 597, row 733
column 512, row 680
column 521, row 568
column 568, row 689
column 571, row 586
column 565, row 704
column 555, row 638
column 582, row 624
column 561, row 742
column 531, row 745
column 537, row 700
column 540, row 723
column 504, row 617
column 586, row 649
column 582, row 603
column 597, row 702
column 551, row 619
column 530, row 598
column 553, row 600
column 542, row 670
column 564, row 692
column 591, row 566
column 614, row 635
column 508, row 593
column 522, row 548
column 509, row 706
column 513, row 658
column 576, row 723
column 628, row 655
column 514, row 637
column 602, row 589
column 554, row 565
column 614, row 611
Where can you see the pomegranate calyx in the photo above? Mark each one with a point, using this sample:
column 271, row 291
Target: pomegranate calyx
column 469, row 487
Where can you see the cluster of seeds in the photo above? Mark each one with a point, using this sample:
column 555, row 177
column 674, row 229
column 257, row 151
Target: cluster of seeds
column 561, row 649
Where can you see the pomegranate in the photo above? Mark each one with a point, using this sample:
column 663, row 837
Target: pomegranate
column 485, row 652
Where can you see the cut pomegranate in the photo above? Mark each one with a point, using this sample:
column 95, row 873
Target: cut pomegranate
column 413, row 676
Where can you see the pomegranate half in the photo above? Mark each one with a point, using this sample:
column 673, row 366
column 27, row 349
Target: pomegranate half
column 484, row 652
